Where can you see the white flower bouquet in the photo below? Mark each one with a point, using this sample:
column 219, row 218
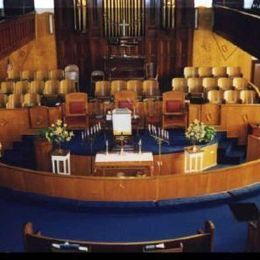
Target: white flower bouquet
column 199, row 132
column 57, row 133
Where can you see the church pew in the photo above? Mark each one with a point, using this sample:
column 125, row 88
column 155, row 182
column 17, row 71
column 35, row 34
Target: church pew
column 202, row 241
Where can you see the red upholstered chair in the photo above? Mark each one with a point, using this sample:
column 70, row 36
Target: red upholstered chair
column 126, row 99
column 76, row 110
column 174, row 111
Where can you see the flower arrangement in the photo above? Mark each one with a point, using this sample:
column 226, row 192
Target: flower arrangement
column 198, row 132
column 57, row 133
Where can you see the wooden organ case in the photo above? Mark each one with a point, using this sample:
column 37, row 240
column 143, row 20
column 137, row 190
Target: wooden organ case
column 121, row 36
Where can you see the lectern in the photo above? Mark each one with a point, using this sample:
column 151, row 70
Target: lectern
column 121, row 120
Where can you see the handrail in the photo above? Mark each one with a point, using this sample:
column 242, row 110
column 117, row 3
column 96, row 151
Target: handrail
column 255, row 88
column 237, row 11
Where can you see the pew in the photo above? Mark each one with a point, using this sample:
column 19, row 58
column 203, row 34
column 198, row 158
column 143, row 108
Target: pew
column 202, row 241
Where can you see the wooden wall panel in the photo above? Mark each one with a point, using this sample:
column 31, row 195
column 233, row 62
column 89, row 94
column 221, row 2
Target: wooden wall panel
column 16, row 32
column 253, row 148
column 210, row 114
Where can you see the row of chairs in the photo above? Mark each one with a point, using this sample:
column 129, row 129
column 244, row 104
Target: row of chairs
column 232, row 97
column 205, row 84
column 143, row 88
column 18, row 100
column 49, row 87
column 71, row 72
column 221, row 71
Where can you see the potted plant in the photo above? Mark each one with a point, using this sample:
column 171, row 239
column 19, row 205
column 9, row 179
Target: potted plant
column 198, row 132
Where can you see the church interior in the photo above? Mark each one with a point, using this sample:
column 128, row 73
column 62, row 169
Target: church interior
column 130, row 126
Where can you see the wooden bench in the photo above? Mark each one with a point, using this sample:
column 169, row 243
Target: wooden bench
column 202, row 241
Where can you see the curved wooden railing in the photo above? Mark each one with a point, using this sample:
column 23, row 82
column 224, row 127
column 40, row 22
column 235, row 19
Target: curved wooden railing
column 130, row 189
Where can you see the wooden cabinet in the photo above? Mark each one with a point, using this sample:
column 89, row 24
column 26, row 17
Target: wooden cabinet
column 210, row 114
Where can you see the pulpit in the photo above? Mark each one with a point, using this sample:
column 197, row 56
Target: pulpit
column 121, row 120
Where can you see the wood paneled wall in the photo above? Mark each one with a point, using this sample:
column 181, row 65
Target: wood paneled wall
column 16, row 32
column 171, row 50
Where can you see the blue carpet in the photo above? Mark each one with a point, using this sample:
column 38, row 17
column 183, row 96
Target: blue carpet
column 107, row 223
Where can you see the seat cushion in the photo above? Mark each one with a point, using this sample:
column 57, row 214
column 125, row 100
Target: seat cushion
column 173, row 106
column 77, row 107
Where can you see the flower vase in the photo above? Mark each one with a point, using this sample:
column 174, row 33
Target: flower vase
column 195, row 148
column 57, row 148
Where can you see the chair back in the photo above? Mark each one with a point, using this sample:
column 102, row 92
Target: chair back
column 13, row 74
column 225, row 84
column 126, row 99
column 76, row 104
column 66, row 86
column 41, row 75
column 117, row 85
column 215, row 96
column 56, row 74
column 180, row 84
column 173, row 102
column 36, row 87
column 102, row 89
column 27, row 75
column 190, row 72
column 231, row 96
column 205, row 72
column 247, row 96
column 219, row 71
column 14, row 101
column 72, row 72
column 234, row 72
column 31, row 99
column 195, row 85
column 3, row 100
column 21, row 87
column 240, row 83
column 7, row 87
column 136, row 86
column 209, row 83
column 150, row 70
column 150, row 88
column 51, row 87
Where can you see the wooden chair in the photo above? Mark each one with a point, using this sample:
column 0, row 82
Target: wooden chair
column 76, row 110
column 96, row 75
column 215, row 96
column 31, row 99
column 36, row 86
column 219, row 72
column 205, row 72
column 66, row 86
column 174, row 110
column 13, row 75
column 209, row 84
column 180, row 84
column 27, row 75
column 14, row 101
column 225, row 84
column 152, row 111
column 231, row 96
column 190, row 72
column 56, row 74
column 150, row 71
column 151, row 88
column 195, row 85
column 126, row 99
column 240, row 83
column 21, row 87
column 51, row 88
column 247, row 96
column 7, row 87
column 234, row 72
column 117, row 85
column 41, row 75
column 202, row 241
column 71, row 72
column 3, row 100
column 136, row 86
column 102, row 89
